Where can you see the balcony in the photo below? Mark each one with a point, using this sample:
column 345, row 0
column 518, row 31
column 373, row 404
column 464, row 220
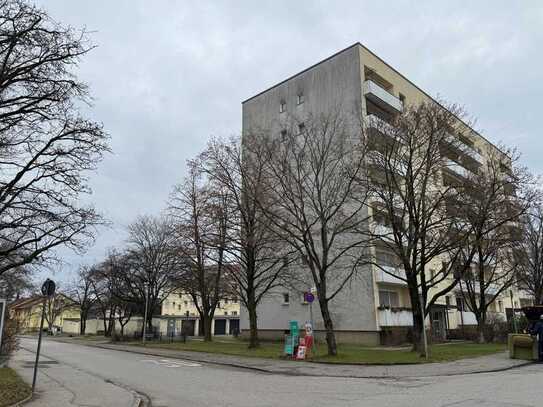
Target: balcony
column 388, row 276
column 381, row 97
column 489, row 289
column 458, row 169
column 465, row 149
column 395, row 317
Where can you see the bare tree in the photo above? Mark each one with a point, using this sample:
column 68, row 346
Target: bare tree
column 84, row 295
column 413, row 179
column 315, row 204
column 250, row 242
column 494, row 200
column 103, row 291
column 16, row 283
column 150, row 268
column 46, row 146
column 530, row 254
column 201, row 217
column 55, row 307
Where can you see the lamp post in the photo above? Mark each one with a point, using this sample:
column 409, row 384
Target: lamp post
column 146, row 290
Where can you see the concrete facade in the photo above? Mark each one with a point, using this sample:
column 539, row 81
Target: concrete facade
column 356, row 80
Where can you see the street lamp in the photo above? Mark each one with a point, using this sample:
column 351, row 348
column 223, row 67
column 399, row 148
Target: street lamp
column 146, row 291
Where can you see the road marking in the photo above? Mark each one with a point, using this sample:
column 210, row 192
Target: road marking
column 171, row 363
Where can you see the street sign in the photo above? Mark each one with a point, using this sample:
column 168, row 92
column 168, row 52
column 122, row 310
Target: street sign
column 48, row 288
column 309, row 297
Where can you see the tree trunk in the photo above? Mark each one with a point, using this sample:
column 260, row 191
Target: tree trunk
column 481, row 322
column 207, row 328
column 329, row 327
column 83, row 323
column 253, row 323
column 418, row 323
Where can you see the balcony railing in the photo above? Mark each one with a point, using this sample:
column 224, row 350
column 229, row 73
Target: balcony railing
column 389, row 276
column 381, row 97
column 466, row 149
column 391, row 317
column 458, row 169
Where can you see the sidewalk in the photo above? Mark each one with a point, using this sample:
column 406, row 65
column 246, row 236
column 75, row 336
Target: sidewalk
column 483, row 364
column 60, row 385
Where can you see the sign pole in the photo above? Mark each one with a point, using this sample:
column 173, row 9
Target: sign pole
column 48, row 290
column 146, row 288
column 39, row 345
column 3, row 305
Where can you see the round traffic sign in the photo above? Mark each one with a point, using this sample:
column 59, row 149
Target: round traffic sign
column 48, row 288
column 309, row 297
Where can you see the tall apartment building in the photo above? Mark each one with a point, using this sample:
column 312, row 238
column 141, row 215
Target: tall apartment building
column 356, row 79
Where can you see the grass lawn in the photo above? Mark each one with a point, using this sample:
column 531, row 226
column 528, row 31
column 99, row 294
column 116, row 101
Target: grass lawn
column 12, row 387
column 346, row 353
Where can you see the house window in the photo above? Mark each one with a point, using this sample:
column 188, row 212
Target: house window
column 282, row 106
column 179, row 307
column 286, row 298
column 300, row 99
column 389, row 299
column 225, row 312
column 283, row 135
column 186, row 303
column 234, row 313
column 226, row 301
column 301, row 128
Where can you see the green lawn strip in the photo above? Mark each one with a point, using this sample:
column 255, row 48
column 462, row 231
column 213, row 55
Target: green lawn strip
column 346, row 353
column 12, row 387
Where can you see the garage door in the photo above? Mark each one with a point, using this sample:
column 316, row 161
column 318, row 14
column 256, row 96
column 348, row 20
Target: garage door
column 220, row 326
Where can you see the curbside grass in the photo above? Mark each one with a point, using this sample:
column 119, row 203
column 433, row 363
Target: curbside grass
column 12, row 388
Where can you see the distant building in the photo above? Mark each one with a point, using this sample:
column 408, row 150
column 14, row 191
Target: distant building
column 27, row 312
column 377, row 304
column 179, row 313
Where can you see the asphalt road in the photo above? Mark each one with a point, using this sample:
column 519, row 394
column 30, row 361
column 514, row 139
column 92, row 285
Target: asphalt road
column 169, row 382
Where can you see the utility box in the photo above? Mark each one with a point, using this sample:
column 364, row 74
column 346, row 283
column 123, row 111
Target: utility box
column 522, row 346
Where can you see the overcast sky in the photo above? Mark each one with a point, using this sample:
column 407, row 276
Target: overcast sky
column 167, row 75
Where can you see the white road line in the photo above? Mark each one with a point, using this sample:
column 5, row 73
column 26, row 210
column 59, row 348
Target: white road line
column 171, row 363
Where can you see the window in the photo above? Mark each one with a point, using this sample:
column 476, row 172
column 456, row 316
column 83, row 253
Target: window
column 301, row 128
column 300, row 99
column 389, row 299
column 226, row 313
column 282, row 106
column 173, row 304
column 186, row 303
column 460, row 303
column 179, row 307
column 226, row 301
column 286, row 298
column 218, row 305
column 234, row 313
column 283, row 135
column 500, row 306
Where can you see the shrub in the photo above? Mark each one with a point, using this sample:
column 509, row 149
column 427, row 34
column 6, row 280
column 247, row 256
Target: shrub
column 9, row 338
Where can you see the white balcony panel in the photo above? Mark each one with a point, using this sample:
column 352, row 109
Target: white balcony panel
column 388, row 317
column 384, row 277
column 381, row 97
column 466, row 317
column 464, row 148
column 458, row 169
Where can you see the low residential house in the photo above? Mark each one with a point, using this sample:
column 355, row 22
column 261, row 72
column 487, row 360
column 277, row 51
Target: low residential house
column 179, row 313
column 28, row 311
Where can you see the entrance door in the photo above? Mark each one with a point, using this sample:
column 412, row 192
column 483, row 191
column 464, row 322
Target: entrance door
column 220, row 327
column 234, row 326
column 187, row 326
column 171, row 327
column 438, row 324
